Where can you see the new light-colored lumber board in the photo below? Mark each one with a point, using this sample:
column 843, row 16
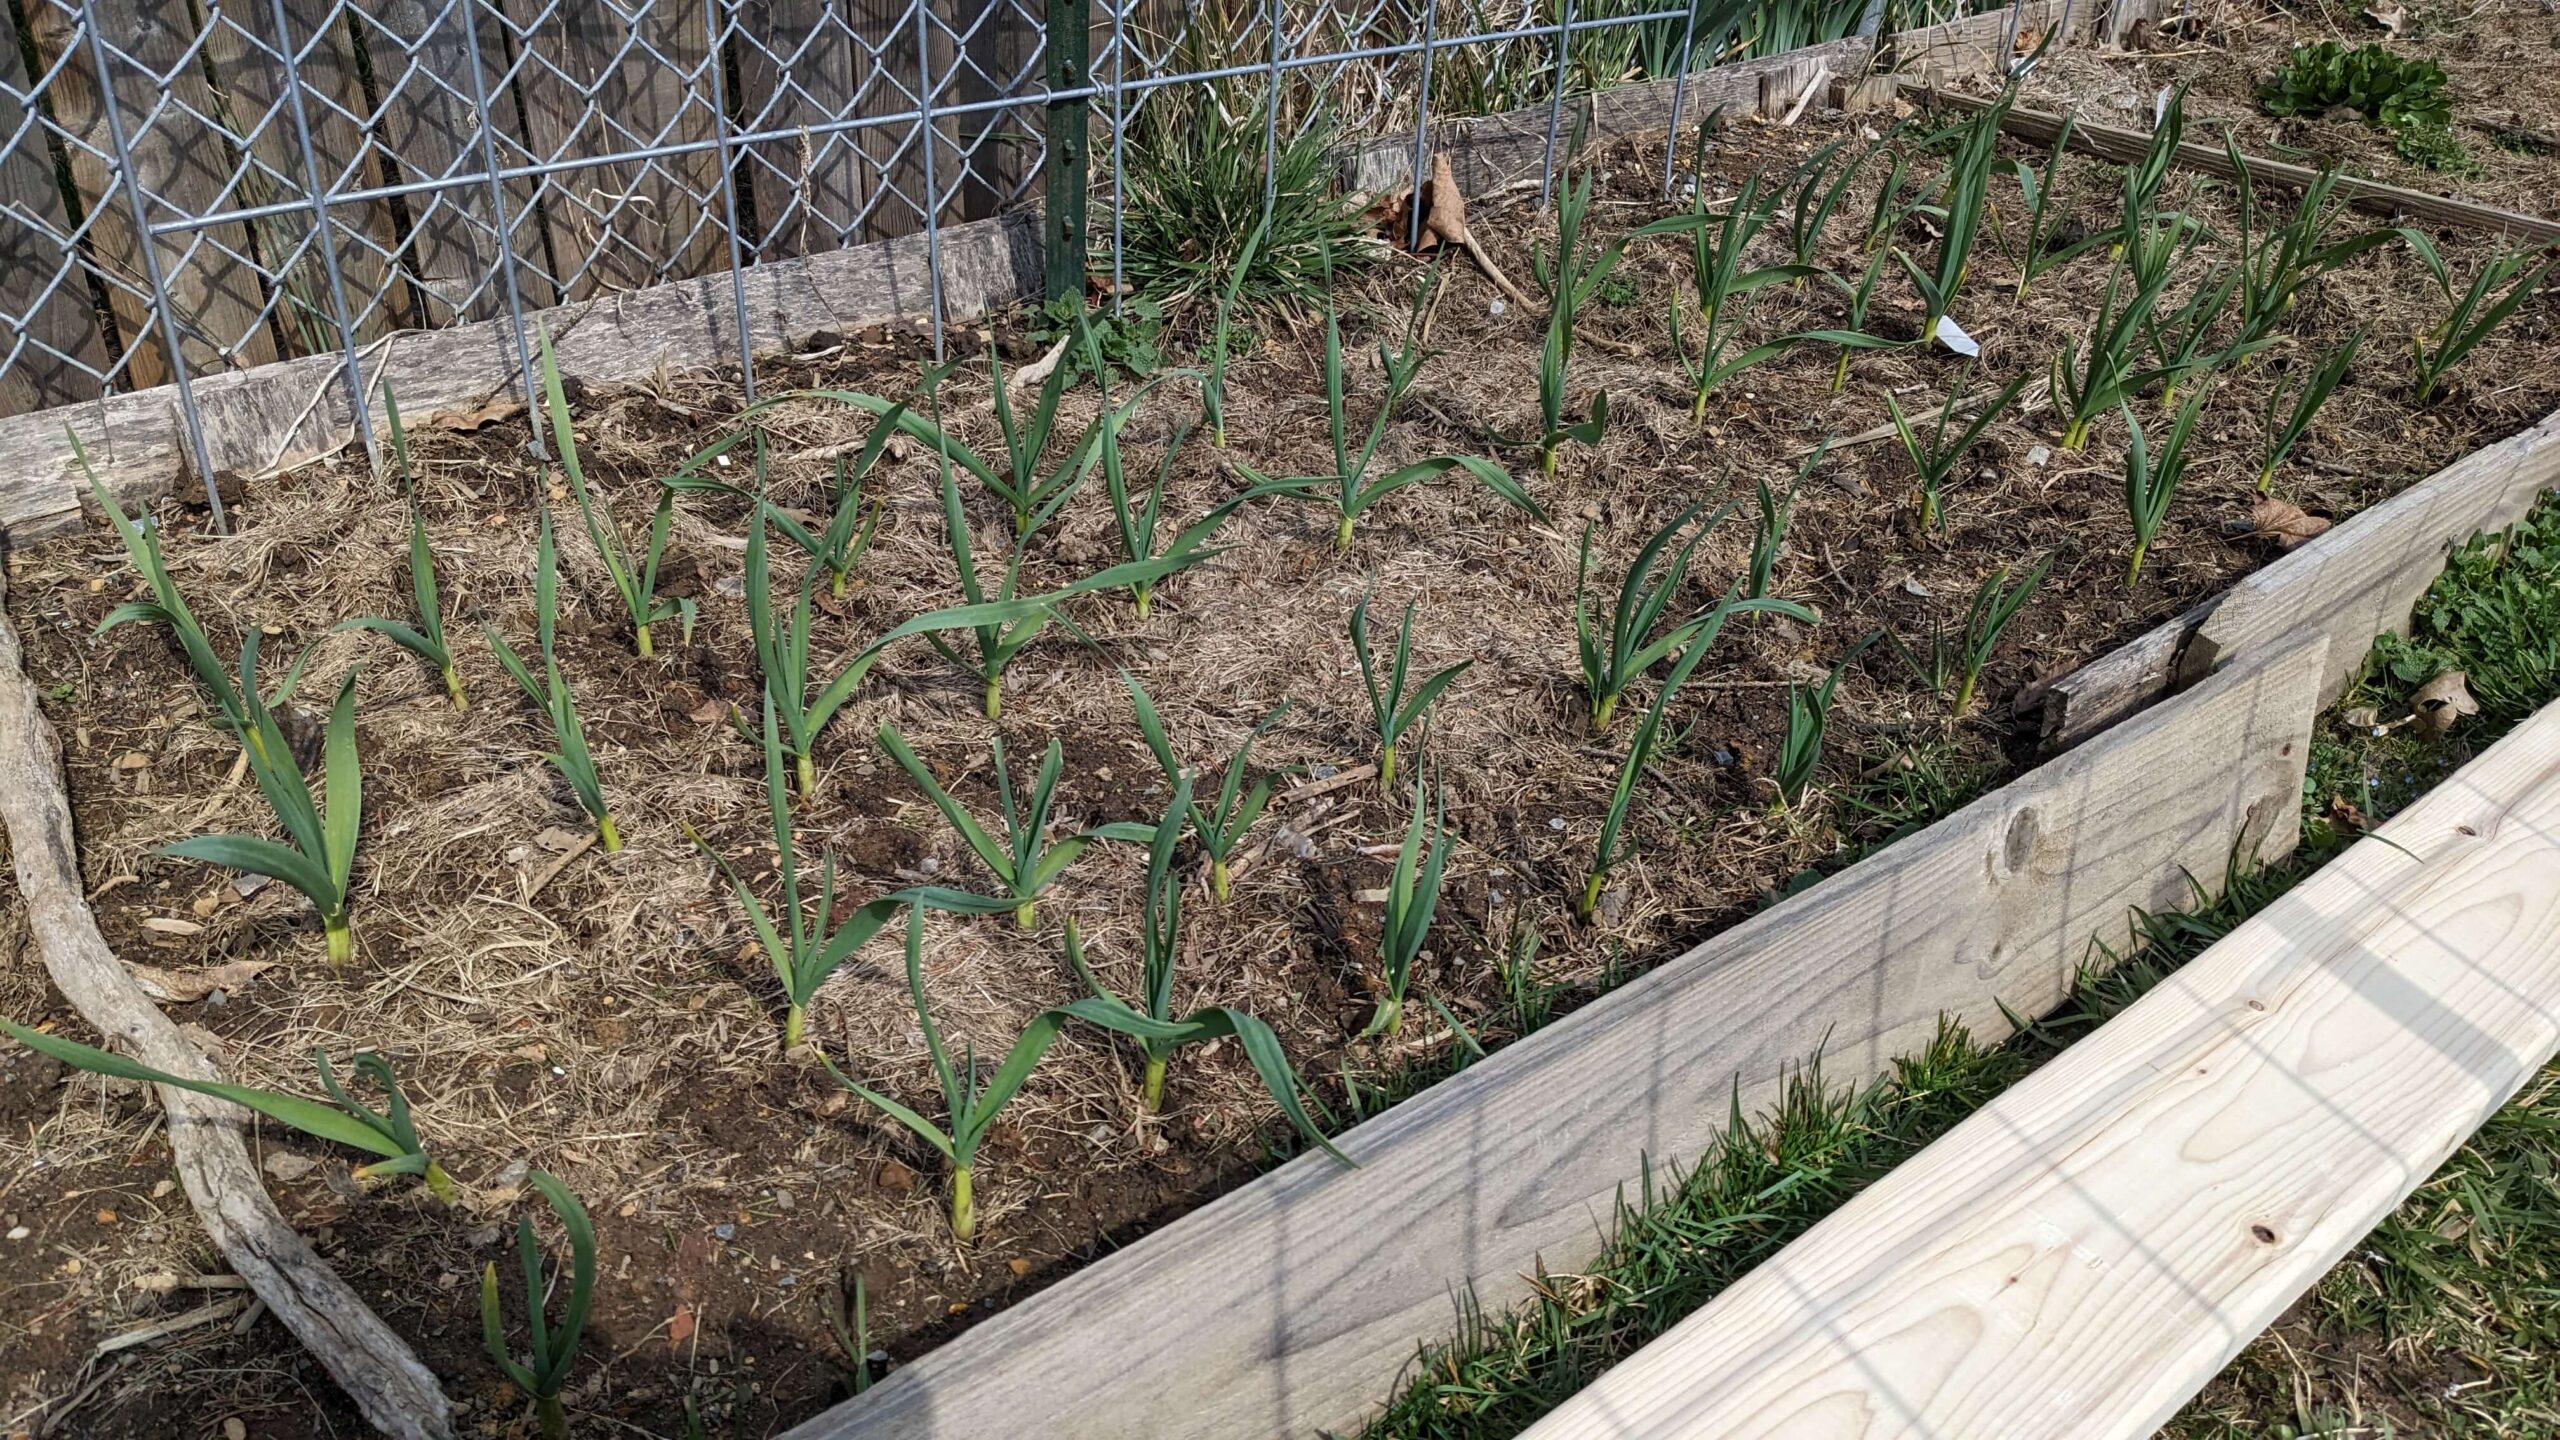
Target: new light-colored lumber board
column 1293, row 1303
column 273, row 417
column 2364, row 577
column 2110, row 142
column 2082, row 1255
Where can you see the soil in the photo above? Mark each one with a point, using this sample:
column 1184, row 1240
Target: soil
column 617, row 1028
column 2501, row 63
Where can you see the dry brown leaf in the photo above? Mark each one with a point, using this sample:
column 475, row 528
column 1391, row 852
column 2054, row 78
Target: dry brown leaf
column 166, row 925
column 2442, row 701
column 2284, row 522
column 681, row 1326
column 478, row 418
column 1444, row 223
column 187, row 986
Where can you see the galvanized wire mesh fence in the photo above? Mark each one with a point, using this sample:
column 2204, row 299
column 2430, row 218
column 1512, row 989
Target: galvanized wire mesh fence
column 190, row 188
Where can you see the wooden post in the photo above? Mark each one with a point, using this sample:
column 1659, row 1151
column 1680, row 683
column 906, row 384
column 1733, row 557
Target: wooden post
column 1062, row 233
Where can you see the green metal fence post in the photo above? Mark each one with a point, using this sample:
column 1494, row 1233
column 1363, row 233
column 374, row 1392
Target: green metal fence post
column 1070, row 50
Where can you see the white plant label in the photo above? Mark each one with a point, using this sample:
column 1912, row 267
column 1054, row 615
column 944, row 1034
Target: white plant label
column 1951, row 335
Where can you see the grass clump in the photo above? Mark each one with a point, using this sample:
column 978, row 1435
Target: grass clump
column 1194, row 222
column 1682, row 1237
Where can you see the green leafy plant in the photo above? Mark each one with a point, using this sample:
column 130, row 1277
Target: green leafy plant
column 1964, row 197
column 389, row 1132
column 805, row 949
column 635, row 581
column 1934, row 458
column 1718, row 245
column 1213, row 380
column 2386, row 89
column 1617, row 843
column 1137, row 520
column 999, row 627
column 1895, row 197
column 2177, row 340
column 851, row 525
column 1395, row 710
column 2040, row 253
column 1857, row 299
column 1349, row 490
column 1808, row 716
column 1024, row 862
column 1221, row 824
column 2144, row 177
column 2277, row 258
column 549, row 691
column 1612, row 661
column 2151, row 482
column 167, row 606
column 2097, row 372
column 425, row 639
column 551, row 1346
column 321, row 859
column 1158, row 1031
column 1413, row 896
column 1578, row 269
column 2473, row 315
column 2318, row 383
column 1769, row 536
column 970, row 1107
column 1819, row 185
column 2437, row 148
column 1959, row 658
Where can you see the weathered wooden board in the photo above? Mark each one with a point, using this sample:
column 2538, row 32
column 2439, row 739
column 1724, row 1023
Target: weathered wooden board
column 1489, row 152
column 280, row 415
column 1293, row 1303
column 796, row 68
column 2363, row 577
column 1492, row 151
column 2082, row 1255
column 2111, row 142
column 2111, row 687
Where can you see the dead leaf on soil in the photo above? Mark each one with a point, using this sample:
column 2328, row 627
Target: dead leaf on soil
column 2393, row 18
column 187, row 986
column 286, row 1166
column 2442, row 701
column 1444, row 223
column 478, row 418
column 2284, row 522
column 681, row 1327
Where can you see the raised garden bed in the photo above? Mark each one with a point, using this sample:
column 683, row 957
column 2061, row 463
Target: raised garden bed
column 615, row 1012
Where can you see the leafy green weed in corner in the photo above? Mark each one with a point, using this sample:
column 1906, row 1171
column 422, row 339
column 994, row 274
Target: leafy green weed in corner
column 2395, row 93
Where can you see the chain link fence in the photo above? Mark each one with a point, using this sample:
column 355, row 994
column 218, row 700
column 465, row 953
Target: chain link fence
column 193, row 188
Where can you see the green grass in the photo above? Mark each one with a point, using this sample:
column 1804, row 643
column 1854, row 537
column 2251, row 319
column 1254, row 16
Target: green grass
column 2466, row 1268
column 1684, row 1236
